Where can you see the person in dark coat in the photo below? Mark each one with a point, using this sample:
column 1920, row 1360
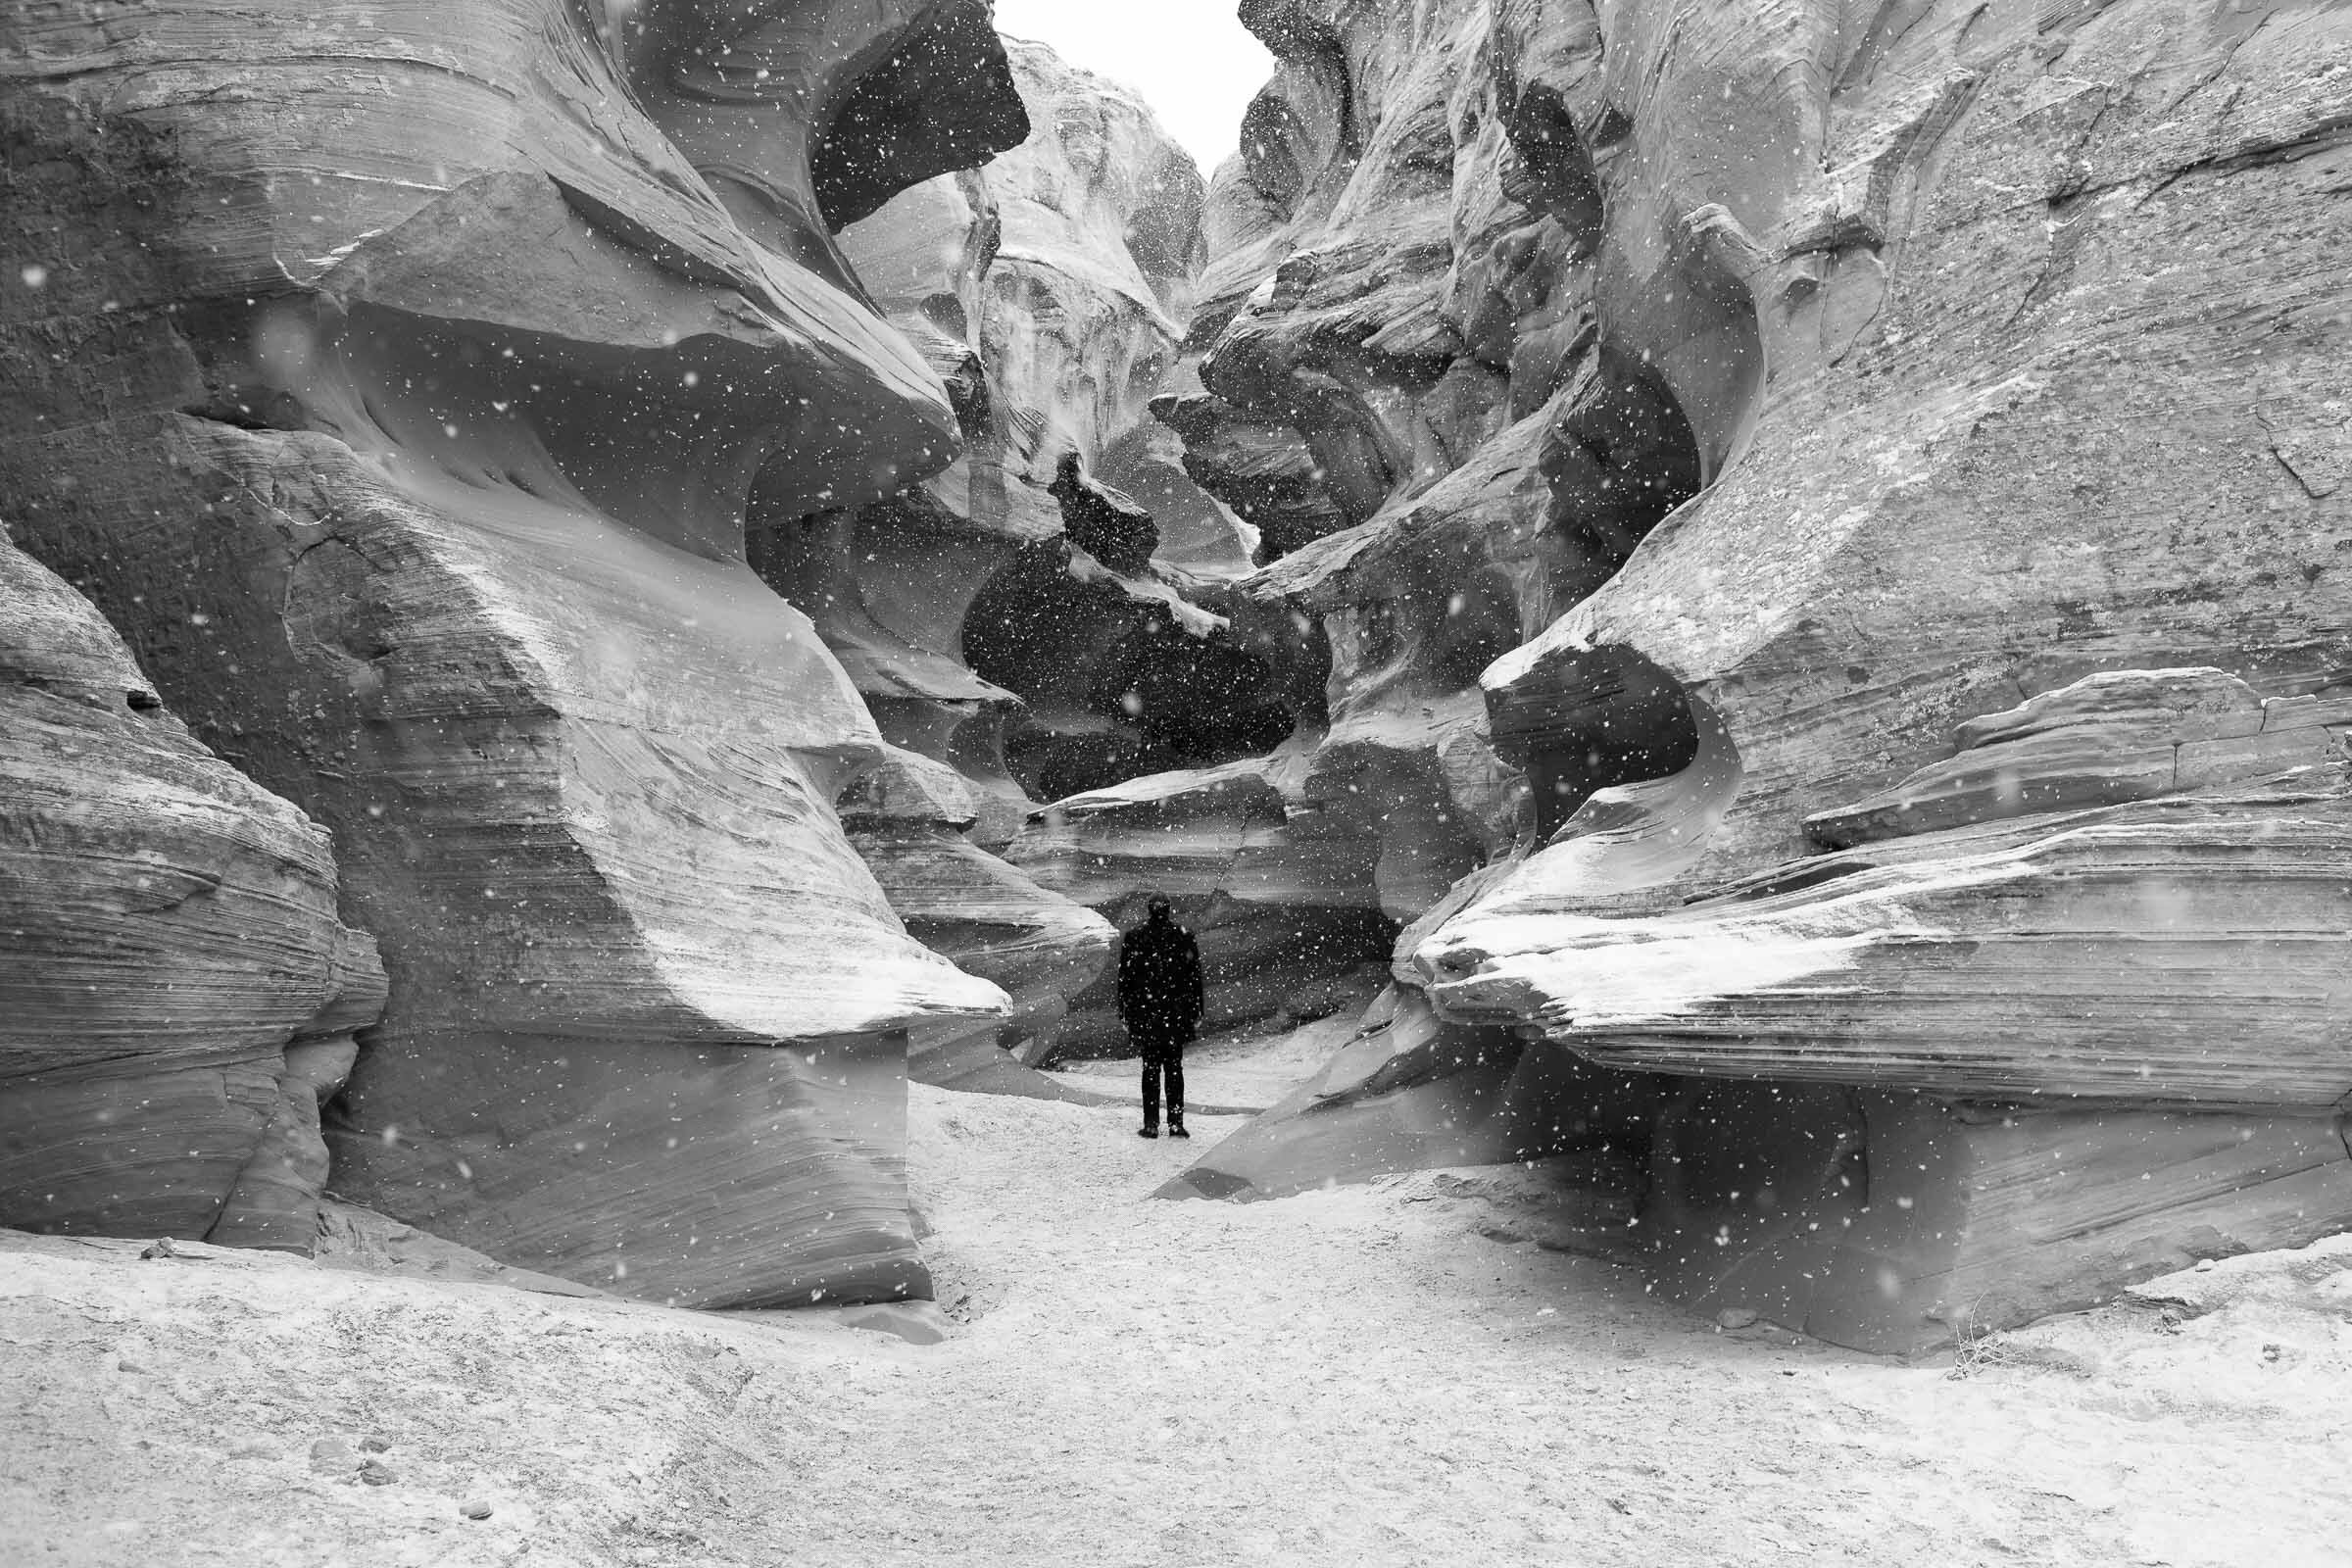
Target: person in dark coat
column 1161, row 998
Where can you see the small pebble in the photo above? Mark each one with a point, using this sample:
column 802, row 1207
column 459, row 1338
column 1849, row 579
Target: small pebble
column 475, row 1510
column 376, row 1473
column 333, row 1455
column 376, row 1442
column 1736, row 1317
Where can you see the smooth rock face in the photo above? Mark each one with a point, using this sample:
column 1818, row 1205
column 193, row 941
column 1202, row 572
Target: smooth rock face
column 993, row 921
column 1208, row 832
column 1727, row 433
column 1892, row 1222
column 176, row 996
column 397, row 382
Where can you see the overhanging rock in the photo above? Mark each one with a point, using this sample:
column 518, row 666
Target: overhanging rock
column 439, row 357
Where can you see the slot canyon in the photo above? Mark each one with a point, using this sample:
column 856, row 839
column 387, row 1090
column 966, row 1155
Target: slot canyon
column 1728, row 622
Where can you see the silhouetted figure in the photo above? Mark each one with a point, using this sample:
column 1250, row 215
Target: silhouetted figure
column 1161, row 998
column 1107, row 525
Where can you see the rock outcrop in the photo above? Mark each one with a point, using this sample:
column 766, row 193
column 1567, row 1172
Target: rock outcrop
column 1052, row 282
column 1414, row 1092
column 1045, row 618
column 399, row 386
column 180, row 995
column 1780, row 565
column 1403, row 383
column 975, row 908
column 1827, row 564
column 1281, row 913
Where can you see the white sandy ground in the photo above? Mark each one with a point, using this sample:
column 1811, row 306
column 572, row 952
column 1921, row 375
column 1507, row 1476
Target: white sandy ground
column 1349, row 1377
column 1236, row 1071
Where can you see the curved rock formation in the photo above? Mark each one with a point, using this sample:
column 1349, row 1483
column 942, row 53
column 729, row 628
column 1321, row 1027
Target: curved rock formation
column 1282, row 913
column 1406, row 384
column 1843, row 544
column 1055, row 278
column 1413, row 1091
column 1021, row 621
column 1062, row 271
column 1775, row 398
column 180, row 993
column 909, row 821
column 398, row 385
column 1795, row 559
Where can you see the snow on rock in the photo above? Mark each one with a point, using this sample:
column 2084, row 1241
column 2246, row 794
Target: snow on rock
column 1701, row 435
column 2177, row 952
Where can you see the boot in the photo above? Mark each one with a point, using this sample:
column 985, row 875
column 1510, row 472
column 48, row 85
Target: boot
column 1154, row 1132
column 1176, row 1130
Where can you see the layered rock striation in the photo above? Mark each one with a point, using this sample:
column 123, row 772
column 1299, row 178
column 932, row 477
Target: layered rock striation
column 1778, row 567
column 400, row 384
column 180, row 993
column 1827, row 570
column 1403, row 382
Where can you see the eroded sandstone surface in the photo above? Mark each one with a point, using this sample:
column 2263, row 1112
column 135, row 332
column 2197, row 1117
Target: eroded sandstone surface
column 1768, row 575
column 1051, row 617
column 180, row 995
column 1828, row 562
column 396, row 381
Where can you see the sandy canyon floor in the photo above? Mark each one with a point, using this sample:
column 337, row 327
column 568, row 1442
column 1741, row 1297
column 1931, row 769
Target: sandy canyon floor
column 1376, row 1375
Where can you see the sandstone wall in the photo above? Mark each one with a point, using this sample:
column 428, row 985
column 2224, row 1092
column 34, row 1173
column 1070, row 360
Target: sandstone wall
column 1825, row 557
column 1057, row 277
column 396, row 378
column 181, row 996
column 1043, row 629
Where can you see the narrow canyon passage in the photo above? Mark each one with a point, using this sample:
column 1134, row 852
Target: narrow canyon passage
column 1728, row 623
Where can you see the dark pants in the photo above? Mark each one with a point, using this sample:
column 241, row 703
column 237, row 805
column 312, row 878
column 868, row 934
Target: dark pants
column 1166, row 1063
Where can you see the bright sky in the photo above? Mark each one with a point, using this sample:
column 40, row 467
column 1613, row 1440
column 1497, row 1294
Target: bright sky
column 1193, row 61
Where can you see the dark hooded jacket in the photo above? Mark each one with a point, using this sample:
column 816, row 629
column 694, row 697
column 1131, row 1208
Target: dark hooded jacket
column 1161, row 990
